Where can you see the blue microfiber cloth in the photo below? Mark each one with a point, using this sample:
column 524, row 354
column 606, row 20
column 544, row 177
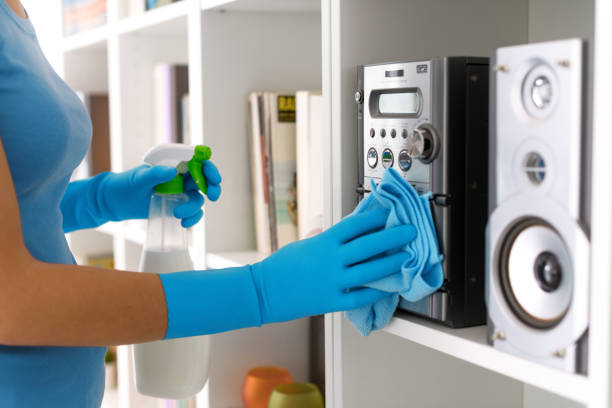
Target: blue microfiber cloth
column 421, row 274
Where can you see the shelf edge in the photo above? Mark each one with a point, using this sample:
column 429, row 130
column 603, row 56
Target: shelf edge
column 449, row 341
column 90, row 39
column 220, row 260
column 151, row 18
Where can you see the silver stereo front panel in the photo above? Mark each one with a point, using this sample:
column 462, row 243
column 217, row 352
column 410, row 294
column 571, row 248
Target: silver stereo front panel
column 398, row 103
column 428, row 121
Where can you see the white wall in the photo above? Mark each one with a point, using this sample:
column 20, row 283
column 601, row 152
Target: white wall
column 46, row 16
column 246, row 52
column 558, row 19
column 383, row 370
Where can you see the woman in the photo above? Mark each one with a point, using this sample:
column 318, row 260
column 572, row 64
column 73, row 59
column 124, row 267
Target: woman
column 56, row 317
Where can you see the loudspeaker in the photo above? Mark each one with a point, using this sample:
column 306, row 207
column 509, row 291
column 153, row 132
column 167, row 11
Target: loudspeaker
column 538, row 248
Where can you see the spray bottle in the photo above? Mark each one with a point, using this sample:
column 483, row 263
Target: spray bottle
column 178, row 368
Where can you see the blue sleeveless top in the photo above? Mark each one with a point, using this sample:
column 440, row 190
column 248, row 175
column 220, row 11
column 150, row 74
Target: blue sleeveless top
column 45, row 130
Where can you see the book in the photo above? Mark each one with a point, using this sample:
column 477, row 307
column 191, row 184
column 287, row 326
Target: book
column 185, row 124
column 171, row 84
column 266, row 112
column 282, row 136
column 258, row 173
column 97, row 158
column 82, row 15
column 100, row 141
column 272, row 141
column 309, row 154
column 151, row 4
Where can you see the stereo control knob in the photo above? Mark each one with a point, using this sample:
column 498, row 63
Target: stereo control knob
column 359, row 97
column 423, row 143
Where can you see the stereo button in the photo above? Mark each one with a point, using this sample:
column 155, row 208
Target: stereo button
column 404, row 160
column 393, row 133
column 387, row 158
column 372, row 132
column 372, row 157
column 383, row 133
column 359, row 97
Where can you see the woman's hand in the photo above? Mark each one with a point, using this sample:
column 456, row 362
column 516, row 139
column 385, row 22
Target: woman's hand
column 127, row 195
column 328, row 272
column 191, row 212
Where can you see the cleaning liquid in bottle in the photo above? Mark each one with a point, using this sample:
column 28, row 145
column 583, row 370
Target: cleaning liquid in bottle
column 178, row 368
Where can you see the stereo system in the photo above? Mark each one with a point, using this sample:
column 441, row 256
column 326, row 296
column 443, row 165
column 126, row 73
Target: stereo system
column 429, row 121
column 526, row 171
column 538, row 247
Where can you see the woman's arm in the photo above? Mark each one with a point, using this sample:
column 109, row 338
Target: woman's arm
column 123, row 196
column 69, row 305
column 61, row 305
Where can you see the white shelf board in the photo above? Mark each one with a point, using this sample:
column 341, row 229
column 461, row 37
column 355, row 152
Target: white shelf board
column 165, row 20
column 309, row 6
column 135, row 231
column 470, row 344
column 221, row 260
column 94, row 39
column 109, row 228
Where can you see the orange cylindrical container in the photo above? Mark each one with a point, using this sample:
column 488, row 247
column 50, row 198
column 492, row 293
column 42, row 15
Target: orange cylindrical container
column 259, row 383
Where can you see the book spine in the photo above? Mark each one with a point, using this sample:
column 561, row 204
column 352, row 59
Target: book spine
column 170, row 85
column 269, row 168
column 302, row 152
column 260, row 206
column 282, row 135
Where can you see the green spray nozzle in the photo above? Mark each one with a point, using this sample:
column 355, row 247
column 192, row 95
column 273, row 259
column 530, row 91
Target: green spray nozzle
column 201, row 153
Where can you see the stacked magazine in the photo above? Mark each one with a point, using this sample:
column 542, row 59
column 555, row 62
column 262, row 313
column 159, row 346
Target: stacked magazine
column 286, row 166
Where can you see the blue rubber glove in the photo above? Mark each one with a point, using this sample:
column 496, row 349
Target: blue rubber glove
column 325, row 273
column 191, row 212
column 127, row 195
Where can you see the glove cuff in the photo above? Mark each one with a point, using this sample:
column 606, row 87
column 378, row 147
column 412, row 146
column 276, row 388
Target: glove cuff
column 207, row 302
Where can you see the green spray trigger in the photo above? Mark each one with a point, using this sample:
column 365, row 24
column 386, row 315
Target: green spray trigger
column 200, row 154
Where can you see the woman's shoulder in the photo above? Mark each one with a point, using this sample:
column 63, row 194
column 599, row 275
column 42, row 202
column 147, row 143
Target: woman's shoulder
column 13, row 27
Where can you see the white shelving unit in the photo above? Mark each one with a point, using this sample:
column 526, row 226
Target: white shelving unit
column 233, row 47
column 413, row 361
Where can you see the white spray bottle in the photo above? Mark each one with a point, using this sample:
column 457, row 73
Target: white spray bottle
column 178, row 368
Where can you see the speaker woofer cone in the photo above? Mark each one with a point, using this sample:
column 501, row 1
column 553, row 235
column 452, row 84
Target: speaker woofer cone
column 535, row 272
